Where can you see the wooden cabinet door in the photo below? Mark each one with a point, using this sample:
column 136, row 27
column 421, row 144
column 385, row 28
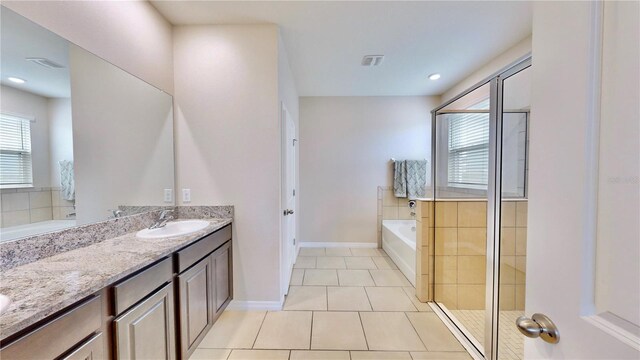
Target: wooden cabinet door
column 196, row 304
column 147, row 331
column 221, row 260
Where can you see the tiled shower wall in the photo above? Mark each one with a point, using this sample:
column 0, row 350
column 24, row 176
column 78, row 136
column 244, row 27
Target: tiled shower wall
column 26, row 206
column 459, row 254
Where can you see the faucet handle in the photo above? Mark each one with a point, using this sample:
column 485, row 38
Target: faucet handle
column 116, row 212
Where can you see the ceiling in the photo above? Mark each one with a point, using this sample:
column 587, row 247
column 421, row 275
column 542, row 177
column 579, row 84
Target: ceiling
column 326, row 40
column 21, row 38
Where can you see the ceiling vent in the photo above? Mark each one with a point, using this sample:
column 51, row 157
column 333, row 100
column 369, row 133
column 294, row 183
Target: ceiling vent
column 372, row 60
column 45, row 62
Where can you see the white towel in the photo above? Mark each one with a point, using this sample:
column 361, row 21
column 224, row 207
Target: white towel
column 67, row 183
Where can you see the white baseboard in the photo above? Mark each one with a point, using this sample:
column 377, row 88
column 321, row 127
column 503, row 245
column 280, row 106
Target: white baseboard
column 338, row 245
column 254, row 305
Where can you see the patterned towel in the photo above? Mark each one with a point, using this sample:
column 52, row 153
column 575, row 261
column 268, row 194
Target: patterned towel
column 416, row 171
column 67, row 183
column 399, row 179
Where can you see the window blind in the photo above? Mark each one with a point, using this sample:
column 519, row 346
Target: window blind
column 15, row 151
column 468, row 163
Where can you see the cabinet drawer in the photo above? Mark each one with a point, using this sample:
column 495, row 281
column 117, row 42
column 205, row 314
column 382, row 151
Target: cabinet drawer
column 134, row 289
column 92, row 349
column 194, row 252
column 59, row 335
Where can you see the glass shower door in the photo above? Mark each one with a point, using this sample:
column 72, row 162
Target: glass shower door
column 515, row 117
column 460, row 221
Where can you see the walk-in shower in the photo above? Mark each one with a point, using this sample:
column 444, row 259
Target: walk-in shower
column 479, row 228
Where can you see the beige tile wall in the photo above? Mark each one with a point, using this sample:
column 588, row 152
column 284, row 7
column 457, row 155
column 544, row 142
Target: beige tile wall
column 26, row 206
column 513, row 255
column 391, row 208
column 62, row 209
column 424, row 246
column 459, row 254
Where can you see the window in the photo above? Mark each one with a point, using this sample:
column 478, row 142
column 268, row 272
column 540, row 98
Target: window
column 468, row 140
column 15, row 152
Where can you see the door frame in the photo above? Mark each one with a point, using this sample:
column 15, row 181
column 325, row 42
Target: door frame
column 287, row 251
column 494, row 192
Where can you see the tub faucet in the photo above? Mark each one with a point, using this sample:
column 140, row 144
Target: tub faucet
column 412, row 206
column 163, row 218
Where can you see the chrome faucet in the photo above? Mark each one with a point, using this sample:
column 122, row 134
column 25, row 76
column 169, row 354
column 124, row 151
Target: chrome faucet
column 116, row 213
column 163, row 218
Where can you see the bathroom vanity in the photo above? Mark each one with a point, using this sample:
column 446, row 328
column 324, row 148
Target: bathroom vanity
column 129, row 298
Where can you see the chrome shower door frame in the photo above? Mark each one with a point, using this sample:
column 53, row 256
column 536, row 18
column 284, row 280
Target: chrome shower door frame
column 494, row 199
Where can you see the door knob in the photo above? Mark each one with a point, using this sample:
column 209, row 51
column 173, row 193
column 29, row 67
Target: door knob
column 539, row 325
column 288, row 212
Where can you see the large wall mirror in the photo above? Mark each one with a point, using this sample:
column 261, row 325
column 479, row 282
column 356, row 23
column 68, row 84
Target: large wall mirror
column 81, row 140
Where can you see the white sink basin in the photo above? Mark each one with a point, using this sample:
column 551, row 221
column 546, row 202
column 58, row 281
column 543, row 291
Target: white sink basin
column 4, row 303
column 175, row 228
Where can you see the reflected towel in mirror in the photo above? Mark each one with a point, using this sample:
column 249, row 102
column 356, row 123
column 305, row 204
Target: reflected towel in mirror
column 67, row 183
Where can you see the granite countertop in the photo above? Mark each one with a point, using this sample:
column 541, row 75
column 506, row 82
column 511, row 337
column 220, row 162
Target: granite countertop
column 43, row 287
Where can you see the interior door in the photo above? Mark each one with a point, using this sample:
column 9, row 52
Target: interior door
column 583, row 234
column 288, row 198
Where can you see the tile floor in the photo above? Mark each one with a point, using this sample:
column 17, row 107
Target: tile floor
column 347, row 304
column 511, row 342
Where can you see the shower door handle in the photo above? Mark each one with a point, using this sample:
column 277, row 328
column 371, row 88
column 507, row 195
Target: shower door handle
column 539, row 325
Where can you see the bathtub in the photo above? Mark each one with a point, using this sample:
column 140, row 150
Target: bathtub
column 20, row 231
column 399, row 241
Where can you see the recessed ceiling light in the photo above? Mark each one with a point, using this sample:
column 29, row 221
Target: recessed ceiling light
column 435, row 76
column 16, row 80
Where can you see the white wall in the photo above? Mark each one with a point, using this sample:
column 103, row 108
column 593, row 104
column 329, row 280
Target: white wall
column 345, row 148
column 122, row 138
column 60, row 136
column 129, row 34
column 18, row 102
column 228, row 140
column 502, row 60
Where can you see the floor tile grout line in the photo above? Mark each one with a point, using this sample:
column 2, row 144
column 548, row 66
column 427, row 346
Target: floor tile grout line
column 363, row 333
column 311, row 331
column 368, row 299
column 259, row 329
column 326, row 296
column 416, row 331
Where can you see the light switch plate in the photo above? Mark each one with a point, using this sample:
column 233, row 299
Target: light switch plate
column 168, row 195
column 186, row 195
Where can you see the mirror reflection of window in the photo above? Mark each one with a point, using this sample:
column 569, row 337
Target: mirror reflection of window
column 16, row 169
column 79, row 137
column 35, row 130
